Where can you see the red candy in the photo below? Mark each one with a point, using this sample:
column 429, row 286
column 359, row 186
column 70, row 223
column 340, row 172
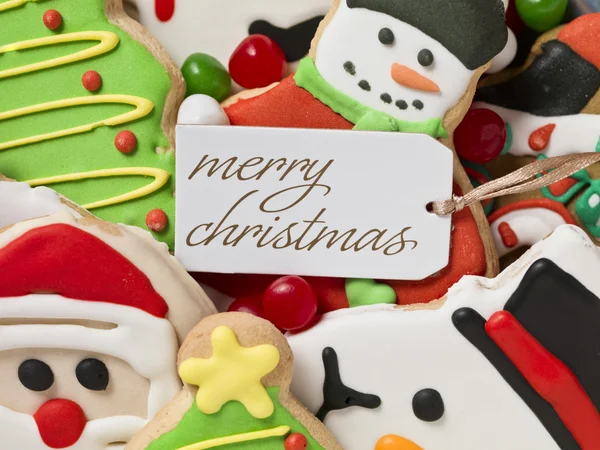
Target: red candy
column 125, row 141
column 156, row 220
column 481, row 136
column 91, row 80
column 248, row 305
column 257, row 62
column 290, row 303
column 295, row 441
column 52, row 19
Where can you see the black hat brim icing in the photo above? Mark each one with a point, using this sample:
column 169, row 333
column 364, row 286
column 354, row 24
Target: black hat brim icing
column 472, row 30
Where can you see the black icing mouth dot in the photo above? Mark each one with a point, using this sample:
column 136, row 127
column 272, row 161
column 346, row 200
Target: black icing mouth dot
column 386, row 98
column 418, row 104
column 350, row 68
column 401, row 104
column 364, row 85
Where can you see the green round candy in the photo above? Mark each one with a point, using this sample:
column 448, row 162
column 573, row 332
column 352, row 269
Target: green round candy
column 542, row 15
column 204, row 74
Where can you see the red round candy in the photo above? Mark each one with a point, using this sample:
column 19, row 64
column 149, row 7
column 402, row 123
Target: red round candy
column 290, row 303
column 257, row 62
column 481, row 136
column 295, row 441
column 125, row 141
column 52, row 19
column 156, row 220
column 248, row 305
column 91, row 80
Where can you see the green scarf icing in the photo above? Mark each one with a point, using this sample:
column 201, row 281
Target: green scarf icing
column 232, row 419
column 364, row 118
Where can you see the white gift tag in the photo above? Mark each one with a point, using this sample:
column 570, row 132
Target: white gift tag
column 311, row 202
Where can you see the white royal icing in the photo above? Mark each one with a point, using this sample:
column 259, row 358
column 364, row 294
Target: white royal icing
column 358, row 29
column 217, row 27
column 578, row 133
column 506, row 56
column 19, row 201
column 394, row 353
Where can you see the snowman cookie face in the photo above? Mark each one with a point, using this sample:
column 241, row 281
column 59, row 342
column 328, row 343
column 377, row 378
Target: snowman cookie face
column 389, row 65
column 217, row 27
column 490, row 368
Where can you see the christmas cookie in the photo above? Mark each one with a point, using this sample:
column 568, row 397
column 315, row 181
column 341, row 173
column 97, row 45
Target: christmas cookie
column 505, row 363
column 88, row 107
column 395, row 66
column 91, row 315
column 258, row 40
column 237, row 371
column 551, row 105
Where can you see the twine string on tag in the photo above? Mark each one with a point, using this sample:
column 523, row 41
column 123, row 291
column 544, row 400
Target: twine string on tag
column 525, row 179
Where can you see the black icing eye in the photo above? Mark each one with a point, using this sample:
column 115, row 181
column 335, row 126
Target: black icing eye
column 92, row 374
column 428, row 405
column 386, row 36
column 36, row 375
column 425, row 57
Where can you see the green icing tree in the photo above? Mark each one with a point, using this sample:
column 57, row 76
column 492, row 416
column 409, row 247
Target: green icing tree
column 53, row 130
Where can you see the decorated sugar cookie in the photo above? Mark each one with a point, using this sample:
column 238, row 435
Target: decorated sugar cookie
column 91, row 314
column 376, row 65
column 505, row 363
column 88, row 107
column 551, row 105
column 237, row 371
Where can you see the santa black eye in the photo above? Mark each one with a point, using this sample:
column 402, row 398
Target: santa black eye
column 36, row 375
column 425, row 57
column 386, row 36
column 92, row 374
column 428, row 405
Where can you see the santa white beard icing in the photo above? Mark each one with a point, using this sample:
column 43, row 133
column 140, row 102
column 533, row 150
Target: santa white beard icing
column 422, row 69
column 508, row 363
column 90, row 315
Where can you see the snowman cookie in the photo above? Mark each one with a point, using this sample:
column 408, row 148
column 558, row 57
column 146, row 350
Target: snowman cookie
column 237, row 371
column 505, row 363
column 91, row 314
column 551, row 105
column 378, row 65
column 89, row 103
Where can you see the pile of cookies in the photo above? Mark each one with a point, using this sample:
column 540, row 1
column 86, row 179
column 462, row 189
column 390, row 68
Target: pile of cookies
column 106, row 342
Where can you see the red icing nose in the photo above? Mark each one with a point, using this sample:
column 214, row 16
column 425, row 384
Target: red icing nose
column 60, row 422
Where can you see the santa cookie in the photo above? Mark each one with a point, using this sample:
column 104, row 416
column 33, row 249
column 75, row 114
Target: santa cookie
column 377, row 65
column 88, row 107
column 237, row 371
column 551, row 105
column 505, row 363
column 91, row 314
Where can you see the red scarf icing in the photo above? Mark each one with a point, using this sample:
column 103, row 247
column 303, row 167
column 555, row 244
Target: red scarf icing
column 65, row 260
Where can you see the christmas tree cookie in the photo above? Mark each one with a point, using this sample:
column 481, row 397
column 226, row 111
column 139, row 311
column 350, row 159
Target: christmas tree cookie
column 237, row 372
column 88, row 103
column 91, row 317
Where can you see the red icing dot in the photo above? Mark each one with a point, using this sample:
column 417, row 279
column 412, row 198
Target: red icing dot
column 60, row 423
column 156, row 220
column 481, row 136
column 91, row 80
column 52, row 19
column 125, row 141
column 290, row 303
column 540, row 138
column 257, row 62
column 509, row 237
column 295, row 441
column 248, row 305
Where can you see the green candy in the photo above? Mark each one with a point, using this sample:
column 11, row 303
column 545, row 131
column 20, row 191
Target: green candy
column 542, row 15
column 363, row 292
column 204, row 74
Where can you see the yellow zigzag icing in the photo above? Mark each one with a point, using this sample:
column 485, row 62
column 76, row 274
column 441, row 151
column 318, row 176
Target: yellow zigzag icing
column 160, row 179
column 13, row 4
column 237, row 438
column 143, row 107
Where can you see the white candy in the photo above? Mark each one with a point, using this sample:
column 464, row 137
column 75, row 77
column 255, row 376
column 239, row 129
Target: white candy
column 199, row 109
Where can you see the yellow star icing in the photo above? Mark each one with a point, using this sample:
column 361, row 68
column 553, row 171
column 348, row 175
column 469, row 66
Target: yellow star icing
column 232, row 373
